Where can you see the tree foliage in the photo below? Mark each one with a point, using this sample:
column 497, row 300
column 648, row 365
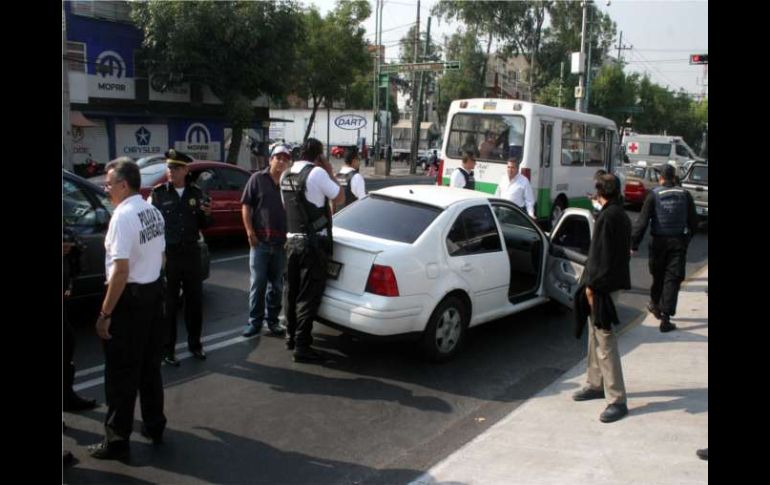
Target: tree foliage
column 465, row 82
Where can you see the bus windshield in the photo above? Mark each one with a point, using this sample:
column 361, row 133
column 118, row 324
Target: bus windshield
column 491, row 137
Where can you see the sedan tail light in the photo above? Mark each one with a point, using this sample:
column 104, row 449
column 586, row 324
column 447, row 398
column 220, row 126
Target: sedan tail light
column 382, row 281
column 634, row 184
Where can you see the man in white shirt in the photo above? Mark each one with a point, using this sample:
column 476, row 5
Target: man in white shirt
column 516, row 188
column 130, row 322
column 462, row 178
column 351, row 181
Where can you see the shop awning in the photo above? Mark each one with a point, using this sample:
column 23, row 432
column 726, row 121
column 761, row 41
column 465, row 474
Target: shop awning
column 77, row 119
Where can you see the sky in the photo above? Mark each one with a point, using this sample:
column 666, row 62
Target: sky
column 663, row 34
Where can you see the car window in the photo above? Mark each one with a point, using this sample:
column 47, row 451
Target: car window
column 474, row 232
column 638, row 172
column 660, row 149
column 574, row 234
column 387, row 218
column 682, row 151
column 77, row 209
column 510, row 217
column 699, row 174
column 233, row 179
column 210, row 179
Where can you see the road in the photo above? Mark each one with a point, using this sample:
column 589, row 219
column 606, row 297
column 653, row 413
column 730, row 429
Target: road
column 377, row 413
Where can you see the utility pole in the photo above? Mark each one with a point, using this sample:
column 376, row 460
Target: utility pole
column 588, row 68
column 66, row 155
column 622, row 47
column 561, row 82
column 373, row 143
column 415, row 100
column 581, row 83
column 413, row 165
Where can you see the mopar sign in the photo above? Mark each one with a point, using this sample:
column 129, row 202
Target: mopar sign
column 198, row 143
column 110, row 78
column 350, row 122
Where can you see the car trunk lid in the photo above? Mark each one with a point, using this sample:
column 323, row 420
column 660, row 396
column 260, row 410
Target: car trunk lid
column 356, row 257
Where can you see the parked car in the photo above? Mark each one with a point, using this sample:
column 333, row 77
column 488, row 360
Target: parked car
column 221, row 182
column 86, row 210
column 696, row 181
column 640, row 179
column 428, row 262
column 151, row 160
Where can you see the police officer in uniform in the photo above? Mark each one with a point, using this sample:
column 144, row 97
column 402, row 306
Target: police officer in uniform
column 463, row 177
column 186, row 211
column 350, row 180
column 306, row 188
column 674, row 223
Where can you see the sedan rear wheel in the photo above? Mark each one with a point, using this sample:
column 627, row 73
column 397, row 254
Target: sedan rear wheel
column 446, row 329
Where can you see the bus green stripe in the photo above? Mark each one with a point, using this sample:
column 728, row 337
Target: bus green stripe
column 580, row 202
column 543, row 203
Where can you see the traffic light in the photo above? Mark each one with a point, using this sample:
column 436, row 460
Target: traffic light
column 699, row 58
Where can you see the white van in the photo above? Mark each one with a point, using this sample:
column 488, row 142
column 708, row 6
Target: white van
column 655, row 149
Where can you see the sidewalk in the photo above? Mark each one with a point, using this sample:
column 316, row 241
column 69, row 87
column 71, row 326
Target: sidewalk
column 552, row 439
column 397, row 169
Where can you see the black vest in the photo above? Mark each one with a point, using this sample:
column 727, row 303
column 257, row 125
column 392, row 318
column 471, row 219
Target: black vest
column 303, row 217
column 470, row 182
column 670, row 218
column 344, row 180
column 183, row 216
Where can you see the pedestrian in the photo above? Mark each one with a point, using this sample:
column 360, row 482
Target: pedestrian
column 671, row 210
column 463, row 176
column 186, row 211
column 71, row 253
column 130, row 322
column 606, row 274
column 350, row 180
column 264, row 218
column 365, row 154
column 307, row 189
column 515, row 187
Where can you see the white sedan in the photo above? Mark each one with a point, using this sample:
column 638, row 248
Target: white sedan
column 429, row 262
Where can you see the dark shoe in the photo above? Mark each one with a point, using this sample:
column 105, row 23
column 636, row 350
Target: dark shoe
column 667, row 326
column 156, row 438
column 290, row 344
column 67, row 458
column 703, row 454
column 277, row 330
column 198, row 354
column 653, row 308
column 613, row 413
column 251, row 331
column 587, row 393
column 308, row 355
column 75, row 403
column 171, row 360
column 112, row 450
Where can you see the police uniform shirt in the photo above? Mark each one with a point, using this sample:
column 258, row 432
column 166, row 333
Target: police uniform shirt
column 357, row 183
column 518, row 191
column 136, row 233
column 458, row 179
column 318, row 186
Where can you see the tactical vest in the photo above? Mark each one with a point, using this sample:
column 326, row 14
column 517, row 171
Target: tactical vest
column 670, row 218
column 180, row 214
column 344, row 180
column 302, row 216
column 470, row 182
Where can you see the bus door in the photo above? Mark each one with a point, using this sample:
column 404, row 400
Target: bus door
column 542, row 185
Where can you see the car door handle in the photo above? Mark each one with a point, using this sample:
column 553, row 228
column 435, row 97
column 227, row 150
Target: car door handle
column 466, row 267
column 567, row 269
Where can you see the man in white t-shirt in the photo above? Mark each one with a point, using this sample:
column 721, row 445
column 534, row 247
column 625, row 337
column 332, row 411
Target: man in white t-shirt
column 307, row 188
column 462, row 178
column 516, row 188
column 130, row 322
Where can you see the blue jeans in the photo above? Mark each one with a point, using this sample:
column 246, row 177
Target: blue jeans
column 267, row 263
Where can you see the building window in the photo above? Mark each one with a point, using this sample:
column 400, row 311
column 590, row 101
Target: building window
column 117, row 11
column 76, row 57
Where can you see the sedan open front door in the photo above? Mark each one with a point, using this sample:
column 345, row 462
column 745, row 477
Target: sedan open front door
column 567, row 255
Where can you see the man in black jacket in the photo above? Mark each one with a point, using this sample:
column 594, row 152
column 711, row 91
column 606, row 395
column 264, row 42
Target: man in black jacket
column 671, row 210
column 607, row 272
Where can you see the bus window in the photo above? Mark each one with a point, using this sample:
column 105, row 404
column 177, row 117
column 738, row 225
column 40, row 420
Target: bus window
column 572, row 143
column 595, row 146
column 490, row 137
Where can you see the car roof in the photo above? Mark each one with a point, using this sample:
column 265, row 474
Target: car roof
column 81, row 180
column 435, row 195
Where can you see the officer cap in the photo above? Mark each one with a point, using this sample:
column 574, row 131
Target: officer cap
column 174, row 157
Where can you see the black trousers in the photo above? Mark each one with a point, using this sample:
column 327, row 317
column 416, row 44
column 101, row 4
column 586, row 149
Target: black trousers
column 305, row 285
column 668, row 256
column 132, row 361
column 183, row 271
column 68, row 352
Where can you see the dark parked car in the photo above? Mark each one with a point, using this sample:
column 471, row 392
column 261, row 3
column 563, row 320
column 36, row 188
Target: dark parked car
column 86, row 210
column 221, row 182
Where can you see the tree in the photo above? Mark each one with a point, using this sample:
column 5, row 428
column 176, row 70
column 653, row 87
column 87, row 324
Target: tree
column 333, row 54
column 467, row 81
column 612, row 93
column 225, row 45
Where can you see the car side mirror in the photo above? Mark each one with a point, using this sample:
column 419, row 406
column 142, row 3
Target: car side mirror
column 102, row 216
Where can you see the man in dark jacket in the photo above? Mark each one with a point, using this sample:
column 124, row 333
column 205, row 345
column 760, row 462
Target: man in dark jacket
column 607, row 272
column 671, row 210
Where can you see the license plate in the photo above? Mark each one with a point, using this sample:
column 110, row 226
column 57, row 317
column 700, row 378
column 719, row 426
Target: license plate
column 333, row 269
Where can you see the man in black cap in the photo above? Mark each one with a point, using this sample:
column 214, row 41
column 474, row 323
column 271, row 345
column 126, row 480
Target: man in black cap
column 674, row 223
column 186, row 211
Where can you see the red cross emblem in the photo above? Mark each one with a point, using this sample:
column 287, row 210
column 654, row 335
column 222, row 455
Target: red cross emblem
column 633, row 147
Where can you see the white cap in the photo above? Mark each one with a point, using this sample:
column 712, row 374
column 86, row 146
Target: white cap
column 280, row 149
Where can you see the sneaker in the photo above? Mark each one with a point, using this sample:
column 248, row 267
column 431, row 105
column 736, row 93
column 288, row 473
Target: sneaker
column 587, row 393
column 308, row 355
column 109, row 450
column 277, row 330
column 171, row 360
column 703, row 454
column 198, row 354
column 667, row 326
column 613, row 413
column 251, row 331
column 653, row 308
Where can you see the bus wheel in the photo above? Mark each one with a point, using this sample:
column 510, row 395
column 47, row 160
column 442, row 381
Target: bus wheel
column 556, row 211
